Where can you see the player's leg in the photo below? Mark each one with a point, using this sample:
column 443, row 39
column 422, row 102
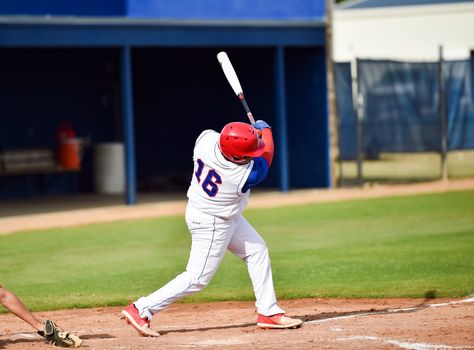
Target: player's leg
column 210, row 238
column 13, row 304
column 247, row 244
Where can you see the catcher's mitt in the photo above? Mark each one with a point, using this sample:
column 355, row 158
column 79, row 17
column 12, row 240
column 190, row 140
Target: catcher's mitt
column 58, row 337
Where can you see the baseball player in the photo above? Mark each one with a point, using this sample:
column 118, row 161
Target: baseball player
column 226, row 167
column 47, row 329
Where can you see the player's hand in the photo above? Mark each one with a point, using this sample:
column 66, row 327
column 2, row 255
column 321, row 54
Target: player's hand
column 260, row 125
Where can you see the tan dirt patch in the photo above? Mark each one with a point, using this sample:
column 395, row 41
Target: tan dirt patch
column 329, row 324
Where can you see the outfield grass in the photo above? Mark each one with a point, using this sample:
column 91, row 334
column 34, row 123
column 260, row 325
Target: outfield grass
column 413, row 246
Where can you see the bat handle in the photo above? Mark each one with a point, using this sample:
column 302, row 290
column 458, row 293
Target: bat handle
column 251, row 118
column 247, row 109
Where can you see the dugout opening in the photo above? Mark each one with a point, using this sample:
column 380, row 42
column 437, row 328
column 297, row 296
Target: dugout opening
column 43, row 89
column 177, row 93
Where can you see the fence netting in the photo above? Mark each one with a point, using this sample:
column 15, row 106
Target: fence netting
column 400, row 109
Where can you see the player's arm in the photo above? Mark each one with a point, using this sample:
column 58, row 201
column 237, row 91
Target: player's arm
column 266, row 134
column 261, row 164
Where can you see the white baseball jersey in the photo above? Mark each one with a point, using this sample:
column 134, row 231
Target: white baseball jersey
column 216, row 186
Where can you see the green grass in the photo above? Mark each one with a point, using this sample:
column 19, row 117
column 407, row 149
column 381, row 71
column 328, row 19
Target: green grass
column 413, row 246
column 407, row 167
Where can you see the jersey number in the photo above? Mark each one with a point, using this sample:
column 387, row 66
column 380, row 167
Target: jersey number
column 212, row 180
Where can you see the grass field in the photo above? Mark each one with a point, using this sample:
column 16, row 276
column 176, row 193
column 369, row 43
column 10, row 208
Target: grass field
column 406, row 167
column 413, row 246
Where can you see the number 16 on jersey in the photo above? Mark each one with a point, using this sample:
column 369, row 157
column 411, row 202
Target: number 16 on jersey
column 211, row 182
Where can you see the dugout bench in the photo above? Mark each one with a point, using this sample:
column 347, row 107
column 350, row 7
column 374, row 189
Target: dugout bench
column 37, row 168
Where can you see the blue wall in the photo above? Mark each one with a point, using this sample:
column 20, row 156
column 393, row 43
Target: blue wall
column 228, row 10
column 63, row 7
column 174, row 9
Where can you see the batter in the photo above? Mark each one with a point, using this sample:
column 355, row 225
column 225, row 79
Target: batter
column 226, row 167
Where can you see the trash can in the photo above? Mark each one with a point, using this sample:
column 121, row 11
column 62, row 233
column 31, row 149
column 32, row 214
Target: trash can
column 109, row 168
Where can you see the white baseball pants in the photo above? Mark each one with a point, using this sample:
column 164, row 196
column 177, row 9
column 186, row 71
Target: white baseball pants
column 211, row 237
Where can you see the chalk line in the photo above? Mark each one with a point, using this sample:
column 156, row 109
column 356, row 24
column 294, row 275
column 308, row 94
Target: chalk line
column 389, row 311
column 408, row 345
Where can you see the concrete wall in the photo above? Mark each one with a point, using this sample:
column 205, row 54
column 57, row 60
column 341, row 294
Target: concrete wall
column 404, row 33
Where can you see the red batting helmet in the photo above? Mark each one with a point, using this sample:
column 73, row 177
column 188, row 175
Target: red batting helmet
column 239, row 140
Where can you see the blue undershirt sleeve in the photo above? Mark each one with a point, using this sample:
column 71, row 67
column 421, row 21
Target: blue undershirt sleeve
column 257, row 174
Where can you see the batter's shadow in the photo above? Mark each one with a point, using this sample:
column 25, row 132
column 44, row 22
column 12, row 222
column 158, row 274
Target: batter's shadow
column 96, row 336
column 204, row 329
column 314, row 317
column 334, row 315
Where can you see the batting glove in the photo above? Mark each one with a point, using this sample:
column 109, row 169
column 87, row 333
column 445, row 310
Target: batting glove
column 260, row 125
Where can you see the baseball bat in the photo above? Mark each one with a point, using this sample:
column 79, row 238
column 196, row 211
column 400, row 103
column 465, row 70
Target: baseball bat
column 234, row 82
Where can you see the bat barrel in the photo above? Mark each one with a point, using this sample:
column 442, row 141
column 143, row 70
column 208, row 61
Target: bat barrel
column 233, row 80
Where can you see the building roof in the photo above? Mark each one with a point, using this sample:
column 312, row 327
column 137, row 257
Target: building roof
column 366, row 4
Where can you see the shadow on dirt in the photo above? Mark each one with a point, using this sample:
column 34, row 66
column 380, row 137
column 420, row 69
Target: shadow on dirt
column 97, row 336
column 339, row 315
column 4, row 343
column 306, row 318
column 28, row 342
column 203, row 329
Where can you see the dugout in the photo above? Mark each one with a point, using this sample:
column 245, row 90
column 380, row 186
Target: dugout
column 154, row 84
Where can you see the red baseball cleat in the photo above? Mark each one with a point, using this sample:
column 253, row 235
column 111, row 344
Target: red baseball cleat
column 278, row 321
column 141, row 325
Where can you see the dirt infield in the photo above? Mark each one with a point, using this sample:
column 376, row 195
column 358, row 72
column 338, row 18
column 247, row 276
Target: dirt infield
column 329, row 323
